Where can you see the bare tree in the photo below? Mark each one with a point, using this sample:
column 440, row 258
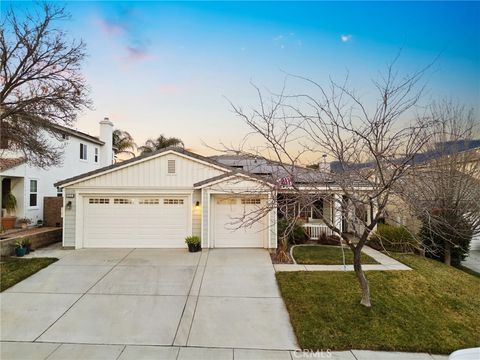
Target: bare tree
column 444, row 188
column 373, row 146
column 42, row 85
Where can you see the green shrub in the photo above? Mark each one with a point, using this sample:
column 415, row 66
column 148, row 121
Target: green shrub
column 451, row 231
column 393, row 238
column 295, row 235
column 192, row 240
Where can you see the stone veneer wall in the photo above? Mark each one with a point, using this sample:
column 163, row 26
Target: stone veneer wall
column 38, row 239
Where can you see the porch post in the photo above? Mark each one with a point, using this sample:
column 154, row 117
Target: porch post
column 337, row 211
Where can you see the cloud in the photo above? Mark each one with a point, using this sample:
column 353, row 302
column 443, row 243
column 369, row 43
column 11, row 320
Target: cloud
column 169, row 89
column 108, row 27
column 345, row 38
column 124, row 27
column 137, row 53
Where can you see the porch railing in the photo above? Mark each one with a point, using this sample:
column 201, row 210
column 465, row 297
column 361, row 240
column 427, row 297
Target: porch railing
column 314, row 231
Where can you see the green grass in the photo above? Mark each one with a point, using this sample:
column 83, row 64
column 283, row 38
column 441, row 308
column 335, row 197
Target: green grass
column 14, row 270
column 326, row 255
column 434, row 308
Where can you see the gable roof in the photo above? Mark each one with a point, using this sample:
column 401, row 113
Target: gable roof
column 78, row 134
column 232, row 174
column 266, row 168
column 139, row 159
column 8, row 163
column 441, row 149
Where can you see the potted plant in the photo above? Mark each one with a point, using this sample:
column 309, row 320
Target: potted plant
column 24, row 222
column 26, row 244
column 19, row 249
column 193, row 242
column 10, row 202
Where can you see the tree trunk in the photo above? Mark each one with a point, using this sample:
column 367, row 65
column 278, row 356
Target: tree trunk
column 448, row 254
column 357, row 265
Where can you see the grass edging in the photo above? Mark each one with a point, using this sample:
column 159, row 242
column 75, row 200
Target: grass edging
column 326, row 255
column 13, row 269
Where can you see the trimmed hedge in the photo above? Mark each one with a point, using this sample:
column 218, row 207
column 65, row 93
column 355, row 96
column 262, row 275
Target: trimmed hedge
column 393, row 238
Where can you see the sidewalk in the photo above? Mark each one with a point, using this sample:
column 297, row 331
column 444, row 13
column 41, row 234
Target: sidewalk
column 385, row 263
column 55, row 351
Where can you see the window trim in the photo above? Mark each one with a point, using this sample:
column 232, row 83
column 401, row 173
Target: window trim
column 85, row 152
column 36, row 206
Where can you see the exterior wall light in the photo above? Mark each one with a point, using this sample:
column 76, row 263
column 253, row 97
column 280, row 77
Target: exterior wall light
column 69, row 205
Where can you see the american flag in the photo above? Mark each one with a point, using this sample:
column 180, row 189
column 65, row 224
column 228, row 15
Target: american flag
column 285, row 182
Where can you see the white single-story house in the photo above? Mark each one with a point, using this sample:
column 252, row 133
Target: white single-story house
column 156, row 200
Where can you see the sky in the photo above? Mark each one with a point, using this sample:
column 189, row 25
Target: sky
column 169, row 67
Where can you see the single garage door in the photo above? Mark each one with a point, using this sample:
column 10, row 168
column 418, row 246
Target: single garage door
column 148, row 222
column 226, row 231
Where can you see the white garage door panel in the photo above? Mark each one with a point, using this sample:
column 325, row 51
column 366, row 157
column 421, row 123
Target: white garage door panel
column 136, row 225
column 227, row 211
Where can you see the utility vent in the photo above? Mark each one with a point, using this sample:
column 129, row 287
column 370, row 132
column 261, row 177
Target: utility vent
column 171, row 167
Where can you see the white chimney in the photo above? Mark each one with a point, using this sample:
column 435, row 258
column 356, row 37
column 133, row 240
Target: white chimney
column 106, row 134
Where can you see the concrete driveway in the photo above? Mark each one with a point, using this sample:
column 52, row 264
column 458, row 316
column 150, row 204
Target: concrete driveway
column 218, row 298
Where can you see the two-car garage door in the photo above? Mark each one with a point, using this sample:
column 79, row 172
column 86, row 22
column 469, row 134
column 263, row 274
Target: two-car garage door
column 123, row 221
column 164, row 221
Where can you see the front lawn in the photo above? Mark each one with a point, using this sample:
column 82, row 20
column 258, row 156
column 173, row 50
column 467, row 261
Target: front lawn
column 326, row 255
column 14, row 270
column 434, row 308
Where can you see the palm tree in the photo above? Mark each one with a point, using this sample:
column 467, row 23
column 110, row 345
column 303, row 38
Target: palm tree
column 123, row 143
column 160, row 142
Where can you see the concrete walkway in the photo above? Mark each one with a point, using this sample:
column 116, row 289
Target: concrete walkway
column 385, row 263
column 473, row 261
column 55, row 351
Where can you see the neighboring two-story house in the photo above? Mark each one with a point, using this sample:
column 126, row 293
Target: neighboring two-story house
column 30, row 185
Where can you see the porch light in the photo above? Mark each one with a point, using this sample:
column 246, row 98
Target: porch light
column 69, row 205
column 197, row 204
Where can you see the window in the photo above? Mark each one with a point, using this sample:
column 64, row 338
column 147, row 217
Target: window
column 171, row 167
column 33, row 193
column 96, row 155
column 98, row 201
column 149, row 201
column 226, row 201
column 314, row 211
column 173, row 201
column 122, row 201
column 251, row 201
column 83, row 151
column 59, row 192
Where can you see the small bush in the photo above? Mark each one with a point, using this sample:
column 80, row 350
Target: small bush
column 297, row 234
column 192, row 240
column 329, row 240
column 393, row 238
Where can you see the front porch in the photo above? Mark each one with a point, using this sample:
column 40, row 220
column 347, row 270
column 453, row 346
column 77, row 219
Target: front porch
column 314, row 214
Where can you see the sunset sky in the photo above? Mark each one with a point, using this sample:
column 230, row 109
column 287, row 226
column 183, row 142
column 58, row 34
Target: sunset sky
column 158, row 67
